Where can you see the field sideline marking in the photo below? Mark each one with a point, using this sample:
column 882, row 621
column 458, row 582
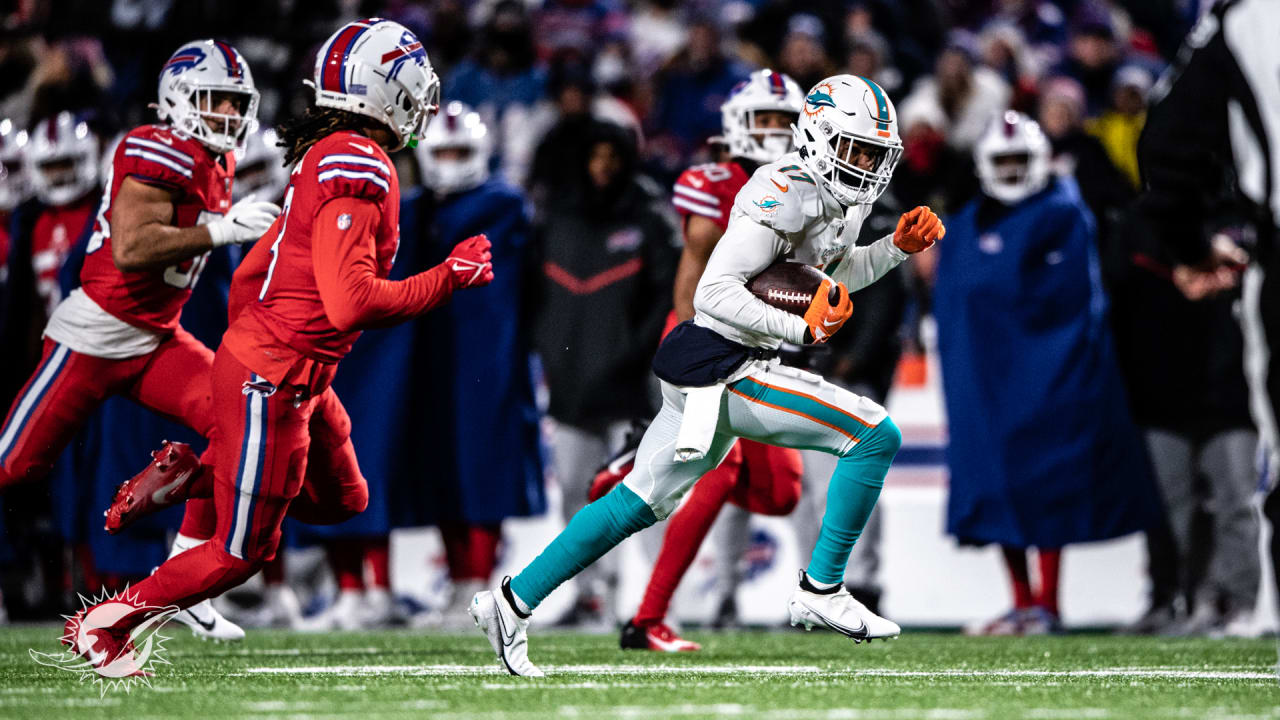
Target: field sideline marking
column 1155, row 673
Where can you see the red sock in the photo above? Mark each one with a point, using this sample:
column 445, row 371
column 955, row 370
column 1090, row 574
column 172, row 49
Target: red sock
column 199, row 519
column 377, row 557
column 1050, row 563
column 273, row 572
column 471, row 550
column 685, row 532
column 346, row 559
column 1015, row 559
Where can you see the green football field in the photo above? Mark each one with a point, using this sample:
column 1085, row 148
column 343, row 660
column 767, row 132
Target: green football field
column 740, row 674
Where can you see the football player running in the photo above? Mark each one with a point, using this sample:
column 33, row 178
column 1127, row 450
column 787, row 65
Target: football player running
column 756, row 122
column 328, row 256
column 167, row 204
column 721, row 379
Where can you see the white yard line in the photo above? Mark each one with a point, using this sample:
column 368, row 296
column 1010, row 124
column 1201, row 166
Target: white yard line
column 788, row 670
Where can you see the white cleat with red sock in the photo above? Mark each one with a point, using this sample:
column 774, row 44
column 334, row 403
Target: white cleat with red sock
column 203, row 618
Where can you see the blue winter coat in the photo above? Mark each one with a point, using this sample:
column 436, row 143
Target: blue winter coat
column 1042, row 448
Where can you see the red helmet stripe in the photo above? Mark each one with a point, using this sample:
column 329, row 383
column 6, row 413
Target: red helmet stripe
column 332, row 76
column 233, row 60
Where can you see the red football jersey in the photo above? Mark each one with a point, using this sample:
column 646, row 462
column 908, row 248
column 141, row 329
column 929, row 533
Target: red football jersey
column 284, row 300
column 709, row 190
column 55, row 231
column 156, row 155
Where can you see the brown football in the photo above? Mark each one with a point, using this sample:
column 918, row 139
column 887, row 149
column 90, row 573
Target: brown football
column 788, row 286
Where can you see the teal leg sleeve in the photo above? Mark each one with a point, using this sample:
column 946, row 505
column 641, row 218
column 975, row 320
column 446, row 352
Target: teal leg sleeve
column 855, row 487
column 594, row 531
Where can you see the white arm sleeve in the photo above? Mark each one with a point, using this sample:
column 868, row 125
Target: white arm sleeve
column 746, row 248
column 864, row 265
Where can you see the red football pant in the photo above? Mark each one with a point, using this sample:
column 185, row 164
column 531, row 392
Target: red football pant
column 261, row 449
column 68, row 387
column 759, row 478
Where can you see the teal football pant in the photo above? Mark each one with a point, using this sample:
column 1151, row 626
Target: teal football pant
column 775, row 404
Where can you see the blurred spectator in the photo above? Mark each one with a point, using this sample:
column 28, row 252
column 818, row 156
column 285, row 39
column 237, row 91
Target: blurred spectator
column 802, row 55
column 1041, row 22
column 691, row 90
column 579, row 26
column 260, row 169
column 545, row 144
column 607, row 257
column 1042, row 452
column 1080, row 155
column 1121, row 123
column 968, row 96
column 489, row 384
column 869, row 57
column 501, row 71
column 1093, row 54
column 658, row 32
column 1184, row 370
column 1005, row 51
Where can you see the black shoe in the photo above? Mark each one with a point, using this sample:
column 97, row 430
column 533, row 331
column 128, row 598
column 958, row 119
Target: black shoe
column 632, row 637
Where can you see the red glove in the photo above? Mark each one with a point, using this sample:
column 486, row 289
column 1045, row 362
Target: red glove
column 470, row 263
column 825, row 318
column 918, row 229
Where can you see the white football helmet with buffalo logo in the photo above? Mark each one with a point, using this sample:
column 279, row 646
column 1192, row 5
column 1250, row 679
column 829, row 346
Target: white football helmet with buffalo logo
column 1012, row 158
column 189, row 81
column 62, row 159
column 14, row 186
column 461, row 129
column 379, row 69
column 765, row 90
column 844, row 118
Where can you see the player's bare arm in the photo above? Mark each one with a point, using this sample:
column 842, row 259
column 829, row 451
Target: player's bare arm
column 700, row 237
column 144, row 236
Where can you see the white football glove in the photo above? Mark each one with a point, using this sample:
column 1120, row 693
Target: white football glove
column 246, row 220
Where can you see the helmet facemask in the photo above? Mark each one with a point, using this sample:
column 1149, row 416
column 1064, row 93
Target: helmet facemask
column 221, row 132
column 857, row 169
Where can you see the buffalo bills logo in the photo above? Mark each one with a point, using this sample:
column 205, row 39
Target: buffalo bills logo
column 819, row 97
column 408, row 49
column 761, row 554
column 183, row 60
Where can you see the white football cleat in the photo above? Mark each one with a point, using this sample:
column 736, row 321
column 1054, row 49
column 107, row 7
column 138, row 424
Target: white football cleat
column 507, row 631
column 207, row 623
column 345, row 613
column 838, row 611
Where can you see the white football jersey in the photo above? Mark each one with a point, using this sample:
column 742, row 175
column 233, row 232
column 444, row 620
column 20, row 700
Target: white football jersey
column 782, row 213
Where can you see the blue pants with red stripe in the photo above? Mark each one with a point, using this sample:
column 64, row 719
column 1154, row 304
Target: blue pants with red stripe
column 68, row 387
column 264, row 441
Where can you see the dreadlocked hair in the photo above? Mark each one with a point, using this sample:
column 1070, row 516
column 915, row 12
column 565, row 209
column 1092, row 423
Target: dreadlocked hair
column 300, row 133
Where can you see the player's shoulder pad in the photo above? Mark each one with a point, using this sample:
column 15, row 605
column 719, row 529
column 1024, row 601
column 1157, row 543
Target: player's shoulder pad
column 160, row 154
column 781, row 195
column 346, row 164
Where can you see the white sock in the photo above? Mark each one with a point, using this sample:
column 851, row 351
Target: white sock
column 819, row 585
column 521, row 605
column 183, row 543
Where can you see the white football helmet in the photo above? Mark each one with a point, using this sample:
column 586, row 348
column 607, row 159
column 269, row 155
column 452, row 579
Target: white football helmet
column 260, row 169
column 765, row 90
column 62, row 159
column 457, row 128
column 378, row 68
column 845, row 117
column 1018, row 141
column 14, row 186
column 188, row 84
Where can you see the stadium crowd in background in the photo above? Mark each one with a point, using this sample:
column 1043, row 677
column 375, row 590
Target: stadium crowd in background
column 590, row 109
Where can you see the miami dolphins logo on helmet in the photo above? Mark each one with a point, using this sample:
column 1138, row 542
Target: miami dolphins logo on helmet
column 819, row 97
column 185, row 59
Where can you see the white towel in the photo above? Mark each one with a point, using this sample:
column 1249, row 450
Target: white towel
column 698, row 424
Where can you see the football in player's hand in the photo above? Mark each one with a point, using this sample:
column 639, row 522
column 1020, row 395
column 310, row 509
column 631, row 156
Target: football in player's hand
column 788, row 286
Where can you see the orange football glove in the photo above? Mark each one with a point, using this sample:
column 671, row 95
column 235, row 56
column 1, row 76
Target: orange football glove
column 825, row 318
column 918, row 229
